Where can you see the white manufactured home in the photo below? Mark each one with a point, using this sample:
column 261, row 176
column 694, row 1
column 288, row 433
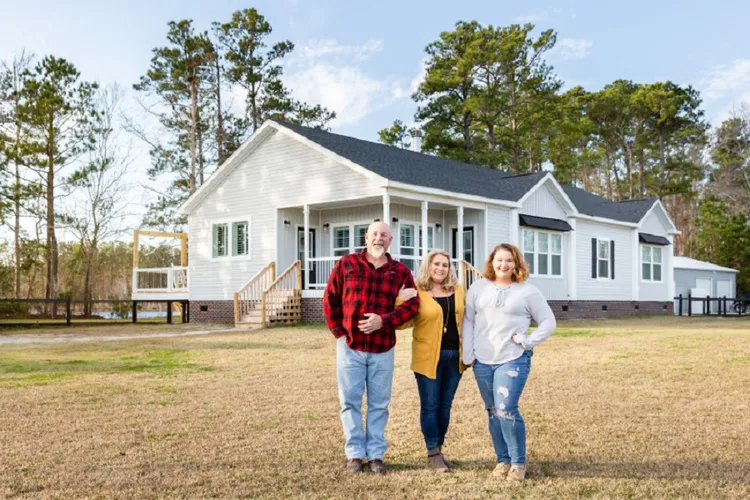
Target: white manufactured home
column 267, row 227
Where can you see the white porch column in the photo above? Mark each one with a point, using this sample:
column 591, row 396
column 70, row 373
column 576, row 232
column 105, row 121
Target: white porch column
column 424, row 228
column 668, row 268
column 514, row 236
column 306, row 236
column 636, row 265
column 460, row 233
column 572, row 263
column 387, row 209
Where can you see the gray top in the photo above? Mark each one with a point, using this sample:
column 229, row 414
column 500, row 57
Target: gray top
column 494, row 313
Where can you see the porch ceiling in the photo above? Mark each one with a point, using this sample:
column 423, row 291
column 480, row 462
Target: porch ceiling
column 375, row 200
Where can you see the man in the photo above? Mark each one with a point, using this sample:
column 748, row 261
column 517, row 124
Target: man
column 359, row 308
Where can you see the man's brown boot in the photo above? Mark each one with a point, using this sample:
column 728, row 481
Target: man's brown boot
column 355, row 465
column 501, row 470
column 377, row 466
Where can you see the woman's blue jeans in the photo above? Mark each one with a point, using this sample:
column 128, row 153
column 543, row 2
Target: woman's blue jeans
column 436, row 398
column 501, row 387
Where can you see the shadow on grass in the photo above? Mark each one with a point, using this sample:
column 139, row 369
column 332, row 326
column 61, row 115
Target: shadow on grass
column 591, row 468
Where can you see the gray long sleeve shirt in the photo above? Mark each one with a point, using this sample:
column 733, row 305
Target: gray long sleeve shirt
column 494, row 313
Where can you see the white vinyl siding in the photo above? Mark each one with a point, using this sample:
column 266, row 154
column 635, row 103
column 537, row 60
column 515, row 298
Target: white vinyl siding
column 589, row 288
column 281, row 172
column 544, row 203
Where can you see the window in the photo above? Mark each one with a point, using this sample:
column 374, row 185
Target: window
column 542, row 252
column 240, row 238
column 340, row 241
column 220, row 237
column 651, row 262
column 407, row 245
column 360, row 231
column 230, row 238
column 430, row 240
column 602, row 257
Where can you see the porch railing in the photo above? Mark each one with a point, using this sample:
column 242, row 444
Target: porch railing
column 282, row 301
column 321, row 267
column 161, row 279
column 250, row 296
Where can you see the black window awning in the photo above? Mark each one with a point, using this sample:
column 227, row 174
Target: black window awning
column 544, row 223
column 652, row 239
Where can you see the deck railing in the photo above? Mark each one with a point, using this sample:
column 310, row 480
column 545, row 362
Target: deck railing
column 161, row 279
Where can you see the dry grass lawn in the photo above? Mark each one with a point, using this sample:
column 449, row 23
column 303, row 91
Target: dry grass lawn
column 643, row 408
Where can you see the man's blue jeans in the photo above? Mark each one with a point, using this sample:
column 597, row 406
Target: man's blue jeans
column 501, row 387
column 436, row 398
column 356, row 372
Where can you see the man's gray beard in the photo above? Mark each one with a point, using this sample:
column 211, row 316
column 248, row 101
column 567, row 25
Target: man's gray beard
column 377, row 251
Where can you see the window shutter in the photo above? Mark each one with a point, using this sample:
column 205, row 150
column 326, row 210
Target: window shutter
column 215, row 240
column 593, row 258
column 612, row 257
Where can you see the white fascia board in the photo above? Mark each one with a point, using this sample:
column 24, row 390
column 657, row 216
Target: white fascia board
column 672, row 229
column 604, row 220
column 442, row 194
column 225, row 169
column 571, row 209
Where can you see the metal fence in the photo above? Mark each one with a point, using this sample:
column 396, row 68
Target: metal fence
column 43, row 312
column 712, row 306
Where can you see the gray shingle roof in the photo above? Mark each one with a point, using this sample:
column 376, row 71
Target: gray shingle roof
column 594, row 205
column 409, row 167
column 418, row 169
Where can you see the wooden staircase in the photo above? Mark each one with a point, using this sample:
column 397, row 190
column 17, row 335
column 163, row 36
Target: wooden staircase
column 266, row 300
column 467, row 274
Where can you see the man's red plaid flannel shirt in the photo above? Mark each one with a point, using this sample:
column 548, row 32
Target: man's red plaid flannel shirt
column 356, row 288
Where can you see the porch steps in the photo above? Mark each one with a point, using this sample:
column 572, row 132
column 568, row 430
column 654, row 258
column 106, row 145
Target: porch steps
column 282, row 306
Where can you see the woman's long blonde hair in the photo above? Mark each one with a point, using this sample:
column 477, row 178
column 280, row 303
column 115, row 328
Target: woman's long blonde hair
column 423, row 275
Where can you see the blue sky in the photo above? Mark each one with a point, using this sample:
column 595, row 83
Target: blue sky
column 363, row 59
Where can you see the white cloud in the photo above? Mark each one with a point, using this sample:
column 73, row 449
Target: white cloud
column 333, row 75
column 344, row 89
column 318, row 49
column 533, row 17
column 569, row 49
column 727, row 79
column 725, row 88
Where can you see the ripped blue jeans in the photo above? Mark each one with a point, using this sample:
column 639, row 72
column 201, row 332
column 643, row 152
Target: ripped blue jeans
column 501, row 387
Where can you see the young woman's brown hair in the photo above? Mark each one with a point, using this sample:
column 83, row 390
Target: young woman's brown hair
column 520, row 272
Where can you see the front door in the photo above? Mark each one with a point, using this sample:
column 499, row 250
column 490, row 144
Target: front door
column 468, row 244
column 309, row 276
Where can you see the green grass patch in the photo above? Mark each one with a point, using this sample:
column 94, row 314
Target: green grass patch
column 573, row 332
column 39, row 371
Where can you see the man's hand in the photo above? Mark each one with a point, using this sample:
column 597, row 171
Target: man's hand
column 373, row 323
column 406, row 293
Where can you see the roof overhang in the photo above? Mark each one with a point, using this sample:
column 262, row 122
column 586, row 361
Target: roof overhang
column 543, row 223
column 653, row 239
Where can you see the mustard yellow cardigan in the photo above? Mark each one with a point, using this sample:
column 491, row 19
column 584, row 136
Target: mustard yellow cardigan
column 428, row 332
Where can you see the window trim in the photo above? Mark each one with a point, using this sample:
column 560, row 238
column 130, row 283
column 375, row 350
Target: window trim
column 230, row 221
column 661, row 263
column 549, row 253
column 609, row 260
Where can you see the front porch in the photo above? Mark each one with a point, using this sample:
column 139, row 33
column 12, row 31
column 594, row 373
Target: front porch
column 337, row 229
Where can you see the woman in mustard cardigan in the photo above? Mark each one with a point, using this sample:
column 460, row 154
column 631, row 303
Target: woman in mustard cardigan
column 436, row 349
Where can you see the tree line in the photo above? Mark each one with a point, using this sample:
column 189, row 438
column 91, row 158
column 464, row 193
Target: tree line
column 490, row 97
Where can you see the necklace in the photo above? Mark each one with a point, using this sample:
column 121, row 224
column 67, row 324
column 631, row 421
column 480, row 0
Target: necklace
column 447, row 314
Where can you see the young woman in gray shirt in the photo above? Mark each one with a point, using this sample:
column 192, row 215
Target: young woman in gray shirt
column 499, row 310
